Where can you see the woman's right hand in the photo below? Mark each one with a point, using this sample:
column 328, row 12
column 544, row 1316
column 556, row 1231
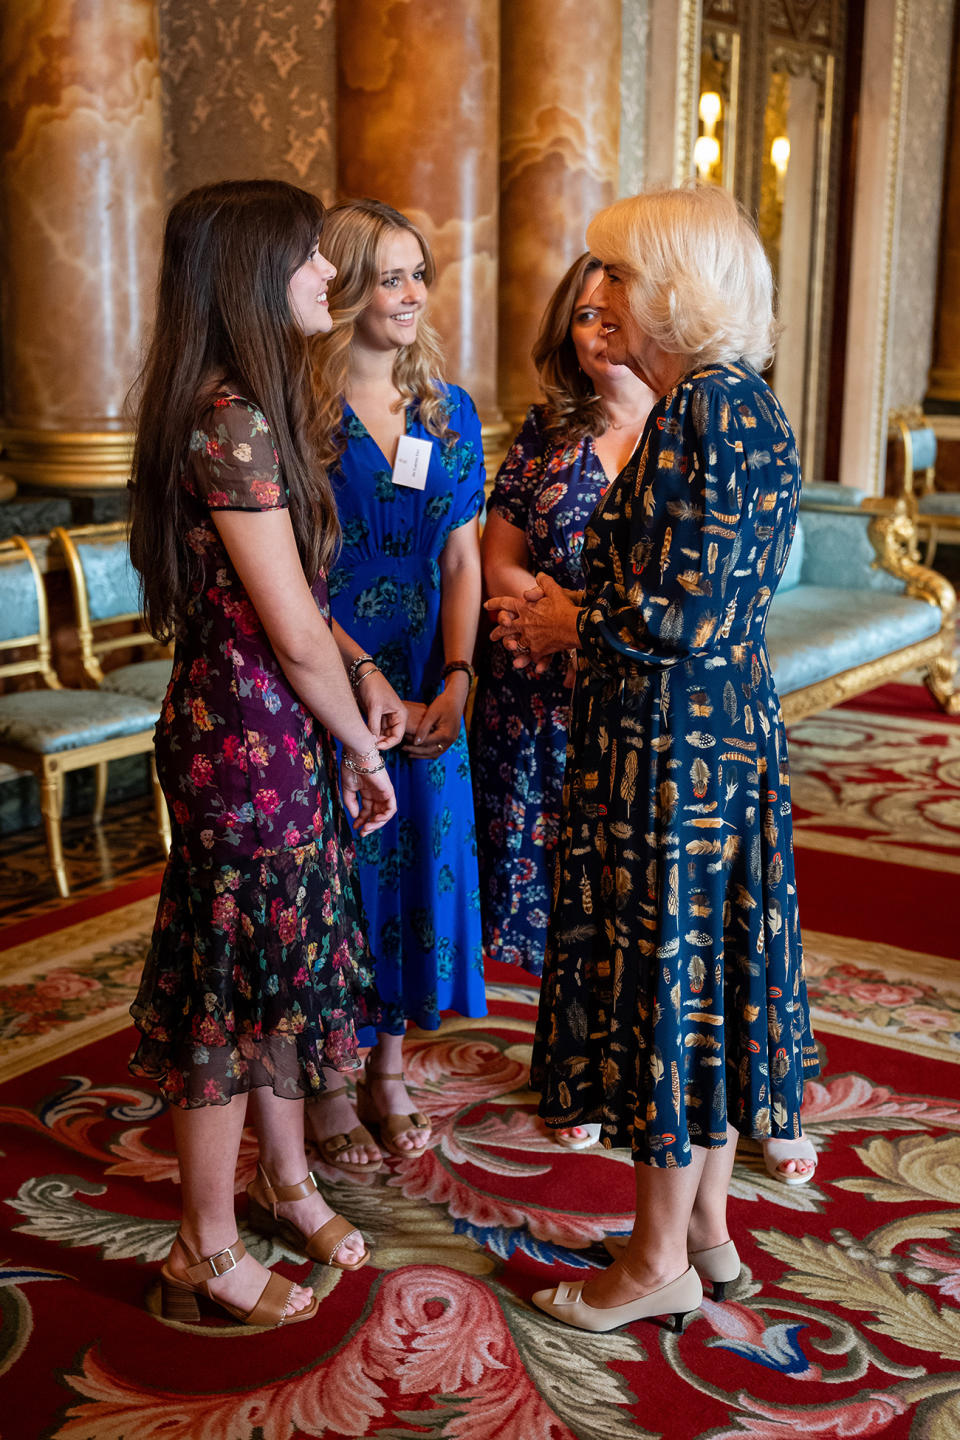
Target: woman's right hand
column 383, row 710
column 368, row 797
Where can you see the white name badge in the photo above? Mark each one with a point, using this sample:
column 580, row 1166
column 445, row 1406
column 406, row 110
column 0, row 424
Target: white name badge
column 412, row 462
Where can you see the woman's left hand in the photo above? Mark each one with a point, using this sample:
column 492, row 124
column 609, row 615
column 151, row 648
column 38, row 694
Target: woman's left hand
column 433, row 728
column 383, row 710
column 537, row 625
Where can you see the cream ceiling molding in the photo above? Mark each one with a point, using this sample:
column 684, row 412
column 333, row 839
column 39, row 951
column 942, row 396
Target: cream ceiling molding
column 876, row 204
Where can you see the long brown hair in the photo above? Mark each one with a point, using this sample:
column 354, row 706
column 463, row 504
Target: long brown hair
column 353, row 240
column 574, row 408
column 224, row 317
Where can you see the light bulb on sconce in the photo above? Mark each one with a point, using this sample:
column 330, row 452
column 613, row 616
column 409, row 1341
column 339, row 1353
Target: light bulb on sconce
column 780, row 155
column 706, row 153
column 710, row 107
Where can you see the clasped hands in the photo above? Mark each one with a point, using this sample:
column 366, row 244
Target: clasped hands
column 534, row 626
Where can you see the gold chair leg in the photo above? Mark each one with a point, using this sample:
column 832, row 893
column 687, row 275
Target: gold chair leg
column 160, row 805
column 100, row 791
column 941, row 679
column 931, row 547
column 51, row 805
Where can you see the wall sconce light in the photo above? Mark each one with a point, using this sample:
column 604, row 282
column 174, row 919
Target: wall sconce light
column 706, row 153
column 710, row 107
column 780, row 159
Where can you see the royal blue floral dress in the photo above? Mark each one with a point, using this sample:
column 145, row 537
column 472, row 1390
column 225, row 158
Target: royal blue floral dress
column 547, row 488
column 258, row 972
column 673, row 997
column 418, row 874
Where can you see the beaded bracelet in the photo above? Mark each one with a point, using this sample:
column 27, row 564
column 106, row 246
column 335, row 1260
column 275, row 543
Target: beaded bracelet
column 463, row 665
column 350, row 758
column 355, row 665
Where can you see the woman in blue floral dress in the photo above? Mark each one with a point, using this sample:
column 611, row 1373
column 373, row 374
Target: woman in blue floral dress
column 258, row 975
column 566, row 454
column 409, row 487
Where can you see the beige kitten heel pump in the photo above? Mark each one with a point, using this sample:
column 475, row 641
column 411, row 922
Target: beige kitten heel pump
column 720, row 1264
column 322, row 1245
column 565, row 1302
column 180, row 1299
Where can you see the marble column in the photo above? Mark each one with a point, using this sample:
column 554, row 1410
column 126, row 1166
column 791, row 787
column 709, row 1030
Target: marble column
column 943, row 389
column 80, row 215
column 559, row 148
column 417, row 127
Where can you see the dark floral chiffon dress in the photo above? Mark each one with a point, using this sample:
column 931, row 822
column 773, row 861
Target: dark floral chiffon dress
column 258, row 972
column 673, row 997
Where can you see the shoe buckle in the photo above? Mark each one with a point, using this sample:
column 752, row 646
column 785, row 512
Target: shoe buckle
column 214, row 1262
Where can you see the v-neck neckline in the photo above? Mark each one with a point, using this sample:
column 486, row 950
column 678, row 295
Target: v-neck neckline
column 373, row 442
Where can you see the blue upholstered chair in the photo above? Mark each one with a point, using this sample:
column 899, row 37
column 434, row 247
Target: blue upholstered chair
column 106, row 596
column 48, row 730
column 936, row 514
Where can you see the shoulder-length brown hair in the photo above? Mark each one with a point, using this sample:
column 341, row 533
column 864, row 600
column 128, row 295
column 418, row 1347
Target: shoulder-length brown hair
column 574, row 408
column 353, row 240
column 224, row 317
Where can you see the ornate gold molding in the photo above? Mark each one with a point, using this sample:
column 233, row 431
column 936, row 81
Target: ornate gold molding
column 891, row 195
column 688, row 88
column 77, row 461
column 826, row 693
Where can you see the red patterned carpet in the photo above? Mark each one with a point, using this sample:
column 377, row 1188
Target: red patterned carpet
column 844, row 1321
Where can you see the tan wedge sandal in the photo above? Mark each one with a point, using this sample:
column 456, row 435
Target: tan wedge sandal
column 322, row 1245
column 334, row 1146
column 392, row 1125
column 180, row 1299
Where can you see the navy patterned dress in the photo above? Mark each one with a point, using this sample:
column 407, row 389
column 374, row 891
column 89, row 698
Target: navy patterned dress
column 418, row 874
column 673, row 997
column 548, row 488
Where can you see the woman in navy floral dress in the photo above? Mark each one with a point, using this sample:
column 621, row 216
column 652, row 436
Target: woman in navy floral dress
column 406, row 585
column 673, row 1007
column 564, row 457
column 258, row 976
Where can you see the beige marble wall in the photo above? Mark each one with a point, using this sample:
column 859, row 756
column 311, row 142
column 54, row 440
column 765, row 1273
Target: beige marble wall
column 79, row 208
column 926, row 93
column 417, row 122
column 559, row 139
column 248, row 90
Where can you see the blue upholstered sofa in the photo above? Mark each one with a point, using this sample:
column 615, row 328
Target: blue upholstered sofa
column 853, row 609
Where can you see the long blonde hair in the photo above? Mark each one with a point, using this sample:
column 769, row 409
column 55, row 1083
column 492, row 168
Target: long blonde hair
column 354, row 234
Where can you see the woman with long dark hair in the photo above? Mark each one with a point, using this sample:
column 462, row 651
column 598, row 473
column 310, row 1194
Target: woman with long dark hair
column 258, row 975
column 409, row 486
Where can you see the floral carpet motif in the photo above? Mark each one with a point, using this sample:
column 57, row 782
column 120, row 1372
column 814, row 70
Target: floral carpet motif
column 843, row 1323
column 845, row 1320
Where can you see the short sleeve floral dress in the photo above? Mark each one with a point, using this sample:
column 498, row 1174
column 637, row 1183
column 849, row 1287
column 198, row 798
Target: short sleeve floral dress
column 258, row 971
column 547, row 487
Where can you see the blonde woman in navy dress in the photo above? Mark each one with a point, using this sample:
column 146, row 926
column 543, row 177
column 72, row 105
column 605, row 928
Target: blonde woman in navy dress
column 673, row 1007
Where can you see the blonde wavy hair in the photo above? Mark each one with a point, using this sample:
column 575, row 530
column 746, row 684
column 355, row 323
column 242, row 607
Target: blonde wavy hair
column 354, row 234
column 574, row 408
column 697, row 277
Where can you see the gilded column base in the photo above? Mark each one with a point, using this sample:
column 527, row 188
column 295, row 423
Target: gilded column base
column 76, row 462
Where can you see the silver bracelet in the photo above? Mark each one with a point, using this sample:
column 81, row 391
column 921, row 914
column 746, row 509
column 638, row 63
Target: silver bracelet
column 355, row 665
column 364, row 769
column 355, row 761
